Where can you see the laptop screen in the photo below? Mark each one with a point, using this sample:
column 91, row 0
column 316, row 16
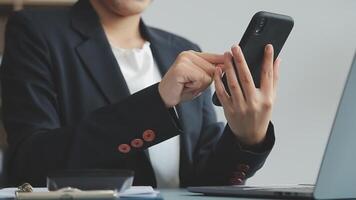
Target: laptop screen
column 337, row 175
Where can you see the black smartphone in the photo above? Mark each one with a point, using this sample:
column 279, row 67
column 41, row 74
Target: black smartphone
column 264, row 28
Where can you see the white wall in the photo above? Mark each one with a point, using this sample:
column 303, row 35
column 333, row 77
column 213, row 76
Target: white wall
column 315, row 61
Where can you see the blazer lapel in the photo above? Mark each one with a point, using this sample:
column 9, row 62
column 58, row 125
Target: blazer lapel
column 96, row 53
column 162, row 49
column 165, row 53
column 97, row 56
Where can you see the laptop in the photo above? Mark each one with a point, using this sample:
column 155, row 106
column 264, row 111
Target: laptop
column 337, row 174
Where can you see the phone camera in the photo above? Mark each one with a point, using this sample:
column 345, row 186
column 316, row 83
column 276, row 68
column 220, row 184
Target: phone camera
column 260, row 25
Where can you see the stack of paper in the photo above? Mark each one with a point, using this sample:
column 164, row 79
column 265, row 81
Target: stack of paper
column 135, row 192
column 10, row 192
column 140, row 192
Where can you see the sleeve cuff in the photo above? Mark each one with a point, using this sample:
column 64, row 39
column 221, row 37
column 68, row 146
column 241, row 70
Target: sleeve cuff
column 248, row 161
column 133, row 124
column 175, row 117
column 265, row 146
column 149, row 111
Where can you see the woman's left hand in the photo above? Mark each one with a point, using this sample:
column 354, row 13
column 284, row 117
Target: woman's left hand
column 248, row 109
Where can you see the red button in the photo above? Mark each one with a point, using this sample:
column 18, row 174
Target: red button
column 149, row 135
column 243, row 168
column 236, row 181
column 124, row 148
column 137, row 143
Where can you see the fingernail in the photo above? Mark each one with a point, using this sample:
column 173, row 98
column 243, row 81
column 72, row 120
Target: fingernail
column 268, row 48
column 235, row 46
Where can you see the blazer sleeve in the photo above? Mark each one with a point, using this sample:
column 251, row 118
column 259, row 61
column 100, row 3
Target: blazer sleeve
column 38, row 140
column 219, row 157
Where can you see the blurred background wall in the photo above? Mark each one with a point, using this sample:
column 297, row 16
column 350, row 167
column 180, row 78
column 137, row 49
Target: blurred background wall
column 315, row 61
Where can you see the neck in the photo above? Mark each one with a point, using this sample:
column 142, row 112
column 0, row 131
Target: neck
column 121, row 31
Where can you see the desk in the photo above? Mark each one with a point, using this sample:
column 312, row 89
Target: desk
column 181, row 194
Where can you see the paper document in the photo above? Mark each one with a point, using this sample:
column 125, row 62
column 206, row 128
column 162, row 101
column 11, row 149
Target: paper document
column 134, row 191
column 10, row 192
column 139, row 191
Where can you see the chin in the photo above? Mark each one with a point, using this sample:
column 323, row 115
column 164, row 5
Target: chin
column 126, row 7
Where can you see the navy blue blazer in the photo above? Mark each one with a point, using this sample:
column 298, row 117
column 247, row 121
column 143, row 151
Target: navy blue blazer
column 66, row 106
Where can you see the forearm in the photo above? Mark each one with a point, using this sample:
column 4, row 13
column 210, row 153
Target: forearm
column 93, row 142
column 106, row 129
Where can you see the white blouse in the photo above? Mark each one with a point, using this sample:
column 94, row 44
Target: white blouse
column 140, row 71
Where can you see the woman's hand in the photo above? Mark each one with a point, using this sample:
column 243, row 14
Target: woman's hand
column 248, row 109
column 191, row 73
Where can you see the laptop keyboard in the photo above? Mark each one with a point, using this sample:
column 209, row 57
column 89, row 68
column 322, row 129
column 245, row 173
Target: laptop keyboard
column 296, row 189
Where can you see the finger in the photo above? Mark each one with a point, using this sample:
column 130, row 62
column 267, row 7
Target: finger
column 198, row 80
column 210, row 57
column 276, row 75
column 221, row 66
column 232, row 82
column 267, row 71
column 203, row 64
column 244, row 73
column 221, row 93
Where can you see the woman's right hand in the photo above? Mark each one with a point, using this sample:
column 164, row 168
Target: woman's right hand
column 191, row 73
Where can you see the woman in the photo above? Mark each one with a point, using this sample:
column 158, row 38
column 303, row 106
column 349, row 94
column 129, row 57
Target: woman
column 94, row 87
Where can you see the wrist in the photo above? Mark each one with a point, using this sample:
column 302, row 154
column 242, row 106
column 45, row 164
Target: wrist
column 260, row 147
column 163, row 97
